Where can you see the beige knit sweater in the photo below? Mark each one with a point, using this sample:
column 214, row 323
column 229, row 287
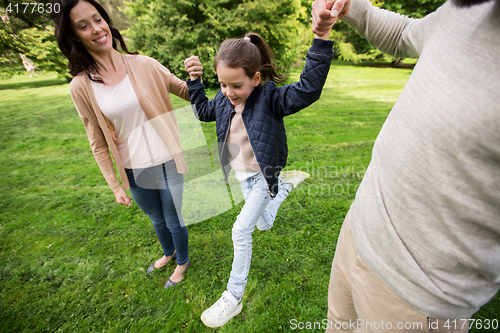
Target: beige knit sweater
column 152, row 83
column 426, row 216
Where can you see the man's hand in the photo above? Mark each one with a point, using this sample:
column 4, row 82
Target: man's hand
column 193, row 66
column 326, row 12
column 340, row 8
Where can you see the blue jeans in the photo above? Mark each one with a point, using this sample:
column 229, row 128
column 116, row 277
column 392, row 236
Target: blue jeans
column 158, row 192
column 259, row 210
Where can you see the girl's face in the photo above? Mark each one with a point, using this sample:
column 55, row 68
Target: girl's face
column 235, row 84
column 90, row 28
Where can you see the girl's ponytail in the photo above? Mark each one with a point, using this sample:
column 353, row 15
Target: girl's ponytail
column 268, row 69
column 251, row 53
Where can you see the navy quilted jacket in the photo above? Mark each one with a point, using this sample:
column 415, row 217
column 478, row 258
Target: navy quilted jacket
column 264, row 112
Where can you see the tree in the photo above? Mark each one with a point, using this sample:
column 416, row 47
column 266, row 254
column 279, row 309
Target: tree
column 114, row 8
column 351, row 46
column 26, row 30
column 413, row 8
column 171, row 31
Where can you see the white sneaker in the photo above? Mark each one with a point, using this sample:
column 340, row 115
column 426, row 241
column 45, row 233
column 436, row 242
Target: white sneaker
column 224, row 309
column 293, row 177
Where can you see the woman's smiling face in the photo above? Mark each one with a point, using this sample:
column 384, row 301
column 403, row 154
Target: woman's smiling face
column 90, row 28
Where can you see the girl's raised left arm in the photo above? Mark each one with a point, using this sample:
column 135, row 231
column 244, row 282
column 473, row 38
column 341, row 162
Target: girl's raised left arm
column 298, row 95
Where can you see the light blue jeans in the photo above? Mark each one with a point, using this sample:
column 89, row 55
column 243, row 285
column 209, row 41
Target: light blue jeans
column 259, row 210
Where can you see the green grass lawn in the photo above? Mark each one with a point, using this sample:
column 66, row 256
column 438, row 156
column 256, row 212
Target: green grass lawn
column 72, row 260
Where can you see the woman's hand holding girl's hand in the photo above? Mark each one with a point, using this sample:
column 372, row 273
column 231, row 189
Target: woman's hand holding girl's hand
column 193, row 66
column 122, row 198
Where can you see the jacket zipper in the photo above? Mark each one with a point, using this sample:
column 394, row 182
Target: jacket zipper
column 231, row 114
column 251, row 144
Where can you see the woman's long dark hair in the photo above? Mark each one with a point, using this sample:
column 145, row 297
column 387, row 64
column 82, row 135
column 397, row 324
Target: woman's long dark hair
column 79, row 58
column 251, row 53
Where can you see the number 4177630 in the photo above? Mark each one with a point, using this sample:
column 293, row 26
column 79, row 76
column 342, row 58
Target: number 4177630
column 32, row 8
column 472, row 323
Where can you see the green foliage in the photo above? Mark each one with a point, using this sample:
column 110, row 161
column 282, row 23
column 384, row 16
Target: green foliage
column 28, row 30
column 174, row 30
column 43, row 50
column 413, row 8
column 10, row 64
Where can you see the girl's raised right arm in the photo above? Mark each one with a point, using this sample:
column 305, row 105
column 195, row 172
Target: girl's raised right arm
column 194, row 67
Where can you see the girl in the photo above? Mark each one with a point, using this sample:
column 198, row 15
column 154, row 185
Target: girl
column 250, row 129
column 124, row 105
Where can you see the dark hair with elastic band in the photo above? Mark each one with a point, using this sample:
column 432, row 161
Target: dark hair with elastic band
column 251, row 53
column 78, row 57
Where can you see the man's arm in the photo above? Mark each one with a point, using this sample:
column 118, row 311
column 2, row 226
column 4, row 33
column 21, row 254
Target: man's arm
column 390, row 32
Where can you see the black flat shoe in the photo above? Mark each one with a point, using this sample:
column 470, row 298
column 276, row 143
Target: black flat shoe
column 170, row 283
column 152, row 267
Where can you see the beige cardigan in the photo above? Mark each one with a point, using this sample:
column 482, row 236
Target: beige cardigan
column 152, row 83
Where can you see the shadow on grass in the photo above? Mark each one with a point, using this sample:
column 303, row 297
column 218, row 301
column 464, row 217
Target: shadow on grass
column 381, row 64
column 402, row 64
column 32, row 83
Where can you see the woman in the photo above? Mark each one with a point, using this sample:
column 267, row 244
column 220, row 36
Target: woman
column 123, row 101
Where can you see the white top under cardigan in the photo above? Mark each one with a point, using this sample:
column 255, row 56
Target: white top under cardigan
column 139, row 144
